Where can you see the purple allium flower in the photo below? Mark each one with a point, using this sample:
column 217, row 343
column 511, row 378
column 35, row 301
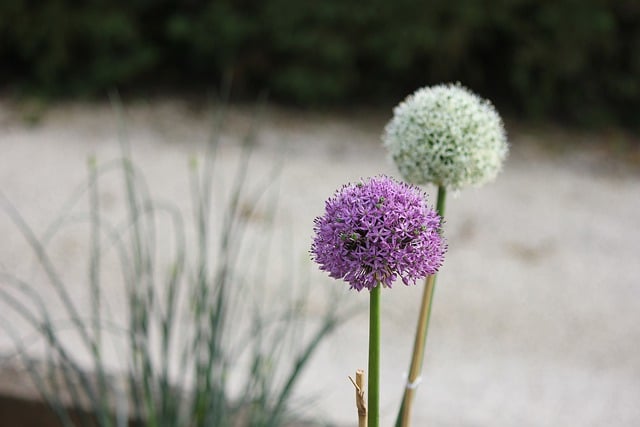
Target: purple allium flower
column 376, row 230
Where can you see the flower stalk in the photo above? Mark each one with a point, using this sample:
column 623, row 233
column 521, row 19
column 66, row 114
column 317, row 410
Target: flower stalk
column 414, row 377
column 373, row 403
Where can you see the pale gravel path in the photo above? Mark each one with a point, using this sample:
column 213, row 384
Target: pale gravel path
column 536, row 320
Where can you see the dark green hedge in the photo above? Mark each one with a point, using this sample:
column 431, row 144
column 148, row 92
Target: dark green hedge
column 566, row 59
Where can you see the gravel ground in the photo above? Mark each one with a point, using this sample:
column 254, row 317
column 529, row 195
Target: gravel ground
column 536, row 319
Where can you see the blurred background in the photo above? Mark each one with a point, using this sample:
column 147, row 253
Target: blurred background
column 574, row 61
column 535, row 320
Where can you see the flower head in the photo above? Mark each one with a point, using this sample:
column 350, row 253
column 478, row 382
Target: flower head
column 448, row 136
column 376, row 230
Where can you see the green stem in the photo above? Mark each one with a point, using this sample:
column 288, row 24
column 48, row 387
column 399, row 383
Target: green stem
column 373, row 403
column 440, row 201
column 422, row 328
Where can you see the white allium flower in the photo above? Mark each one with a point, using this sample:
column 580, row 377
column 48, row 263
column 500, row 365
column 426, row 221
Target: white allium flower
column 448, row 136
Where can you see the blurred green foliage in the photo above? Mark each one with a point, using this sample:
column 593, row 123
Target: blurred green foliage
column 574, row 60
